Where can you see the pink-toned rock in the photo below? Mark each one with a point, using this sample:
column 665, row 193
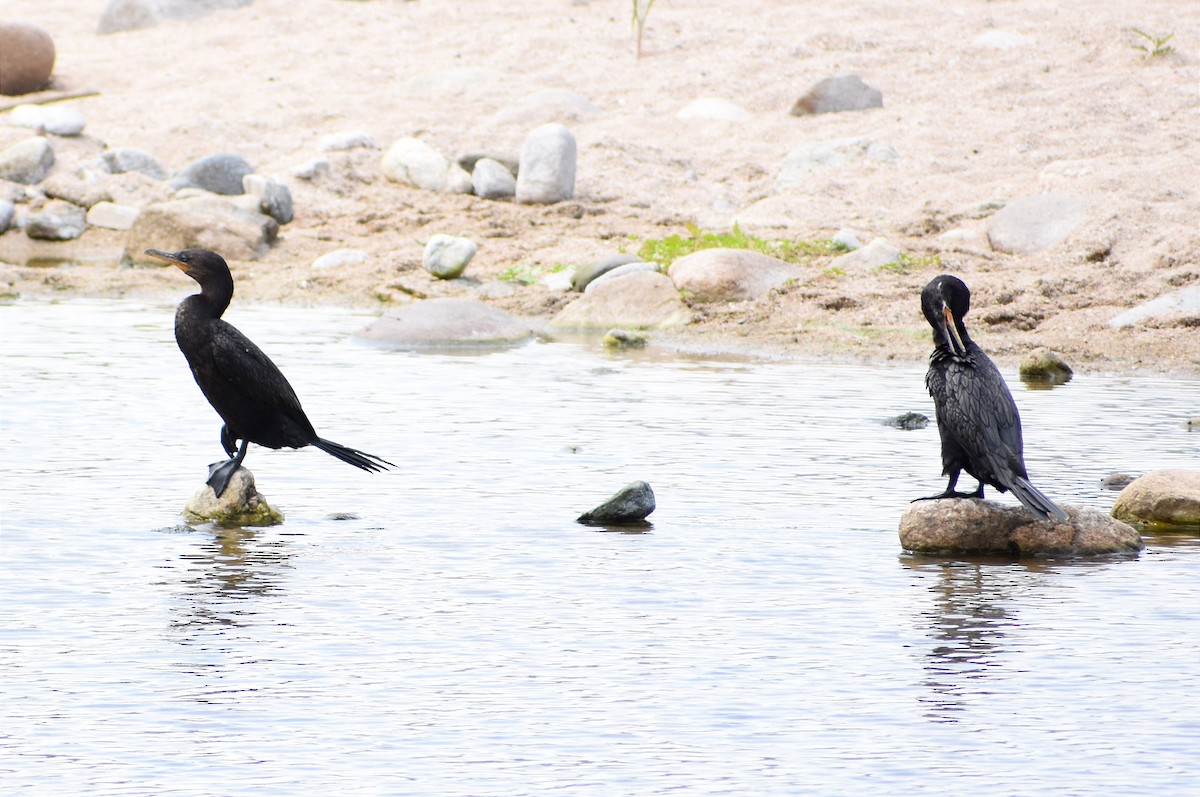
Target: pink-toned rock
column 729, row 275
column 26, row 58
column 1162, row 500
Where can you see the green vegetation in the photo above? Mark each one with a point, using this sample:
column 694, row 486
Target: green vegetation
column 641, row 10
column 906, row 263
column 527, row 275
column 1152, row 46
column 666, row 250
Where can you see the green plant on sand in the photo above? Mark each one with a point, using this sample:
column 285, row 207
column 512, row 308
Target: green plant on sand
column 641, row 10
column 666, row 250
column 1152, row 46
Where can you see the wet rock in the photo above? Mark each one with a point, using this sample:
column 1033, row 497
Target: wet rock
column 908, row 421
column 240, row 505
column 128, row 159
column 1037, row 222
column 642, row 300
column 877, row 254
column 446, row 256
column 547, row 172
column 623, row 339
column 26, row 58
column 340, row 142
column 620, row 271
column 839, row 93
column 205, row 222
column 1162, row 500
column 274, row 197
column 27, row 162
column 633, row 503
column 221, row 173
column 730, row 275
column 1183, row 303
column 713, row 109
column 340, row 258
column 57, row 221
column 546, row 106
column 437, row 323
column 412, row 161
column 112, row 216
column 1044, row 365
column 971, row 526
column 839, row 153
column 59, row 120
column 491, row 179
column 1116, row 481
column 585, row 274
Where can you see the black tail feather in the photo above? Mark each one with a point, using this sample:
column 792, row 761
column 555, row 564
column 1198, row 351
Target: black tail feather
column 353, row 456
column 1036, row 502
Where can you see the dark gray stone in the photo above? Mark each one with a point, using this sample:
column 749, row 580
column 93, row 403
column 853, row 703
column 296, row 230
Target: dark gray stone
column 633, row 503
column 221, row 174
column 57, row 221
column 274, row 197
column 840, row 93
column 908, row 421
column 128, row 159
column 1116, row 481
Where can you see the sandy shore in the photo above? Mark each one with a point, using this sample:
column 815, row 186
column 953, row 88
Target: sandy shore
column 1067, row 105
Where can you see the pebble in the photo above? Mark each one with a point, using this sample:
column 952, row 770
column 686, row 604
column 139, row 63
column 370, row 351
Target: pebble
column 880, row 252
column 713, row 109
column 220, row 174
column 840, row 93
column 446, row 256
column 274, row 197
column 1184, row 302
column 340, row 258
column 28, row 161
column 491, row 179
column 339, row 142
column 26, row 58
column 1034, row 223
column 410, row 160
column 112, row 216
column 59, row 120
column 57, row 221
column 547, row 173
column 128, row 159
column 633, row 503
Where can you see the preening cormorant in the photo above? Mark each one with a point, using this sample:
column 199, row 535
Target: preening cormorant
column 250, row 394
column 976, row 415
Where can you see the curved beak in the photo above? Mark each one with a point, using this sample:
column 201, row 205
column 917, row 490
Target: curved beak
column 169, row 257
column 950, row 333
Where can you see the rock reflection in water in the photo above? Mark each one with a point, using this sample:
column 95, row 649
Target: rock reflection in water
column 220, row 578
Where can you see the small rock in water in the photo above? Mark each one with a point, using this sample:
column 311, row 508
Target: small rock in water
column 547, row 172
column 59, row 120
column 128, row 159
column 491, row 179
column 240, row 505
column 623, row 339
column 221, row 174
column 57, row 221
column 446, row 256
column 840, row 93
column 631, row 504
column 1116, row 481
column 1162, row 500
column 27, row 161
column 1045, row 365
column 908, row 421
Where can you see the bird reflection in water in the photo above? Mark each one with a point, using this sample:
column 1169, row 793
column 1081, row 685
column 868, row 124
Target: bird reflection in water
column 224, row 574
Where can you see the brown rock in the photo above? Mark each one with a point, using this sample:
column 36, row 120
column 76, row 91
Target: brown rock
column 202, row 222
column 26, row 58
column 1162, row 500
column 729, row 275
column 970, row 526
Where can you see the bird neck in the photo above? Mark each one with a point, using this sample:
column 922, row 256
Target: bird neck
column 213, row 299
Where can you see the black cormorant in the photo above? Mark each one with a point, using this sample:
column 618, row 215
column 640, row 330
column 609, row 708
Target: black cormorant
column 976, row 415
column 246, row 389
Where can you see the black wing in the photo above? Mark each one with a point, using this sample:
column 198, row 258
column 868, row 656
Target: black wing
column 978, row 411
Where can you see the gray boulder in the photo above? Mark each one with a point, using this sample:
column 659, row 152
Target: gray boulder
column 632, row 504
column 1162, row 500
column 219, row 174
column 547, row 172
column 205, row 222
column 1033, row 223
column 585, row 274
column 28, row 161
column 956, row 526
column 240, row 505
column 59, row 120
column 447, row 323
column 491, row 179
column 1184, row 302
column 839, row 93
column 730, row 275
column 128, row 159
column 57, row 221
column 26, row 58
column 446, row 256
column 641, row 300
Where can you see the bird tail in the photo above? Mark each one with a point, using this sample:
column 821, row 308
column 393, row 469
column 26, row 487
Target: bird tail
column 353, row 456
column 1035, row 502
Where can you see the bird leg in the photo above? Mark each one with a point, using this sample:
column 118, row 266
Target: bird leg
column 228, row 441
column 950, row 492
column 219, row 473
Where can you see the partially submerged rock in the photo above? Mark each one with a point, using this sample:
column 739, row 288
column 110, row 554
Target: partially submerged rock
column 631, row 504
column 437, row 323
column 1042, row 364
column 641, row 300
column 972, row 526
column 240, row 505
column 908, row 421
column 1162, row 500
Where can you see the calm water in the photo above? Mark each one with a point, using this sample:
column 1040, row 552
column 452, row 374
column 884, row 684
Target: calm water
column 461, row 635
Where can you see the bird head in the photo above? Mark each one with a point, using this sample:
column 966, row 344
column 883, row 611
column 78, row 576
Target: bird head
column 944, row 301
column 201, row 265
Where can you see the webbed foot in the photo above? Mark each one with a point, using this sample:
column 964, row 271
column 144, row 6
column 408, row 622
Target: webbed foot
column 219, row 474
